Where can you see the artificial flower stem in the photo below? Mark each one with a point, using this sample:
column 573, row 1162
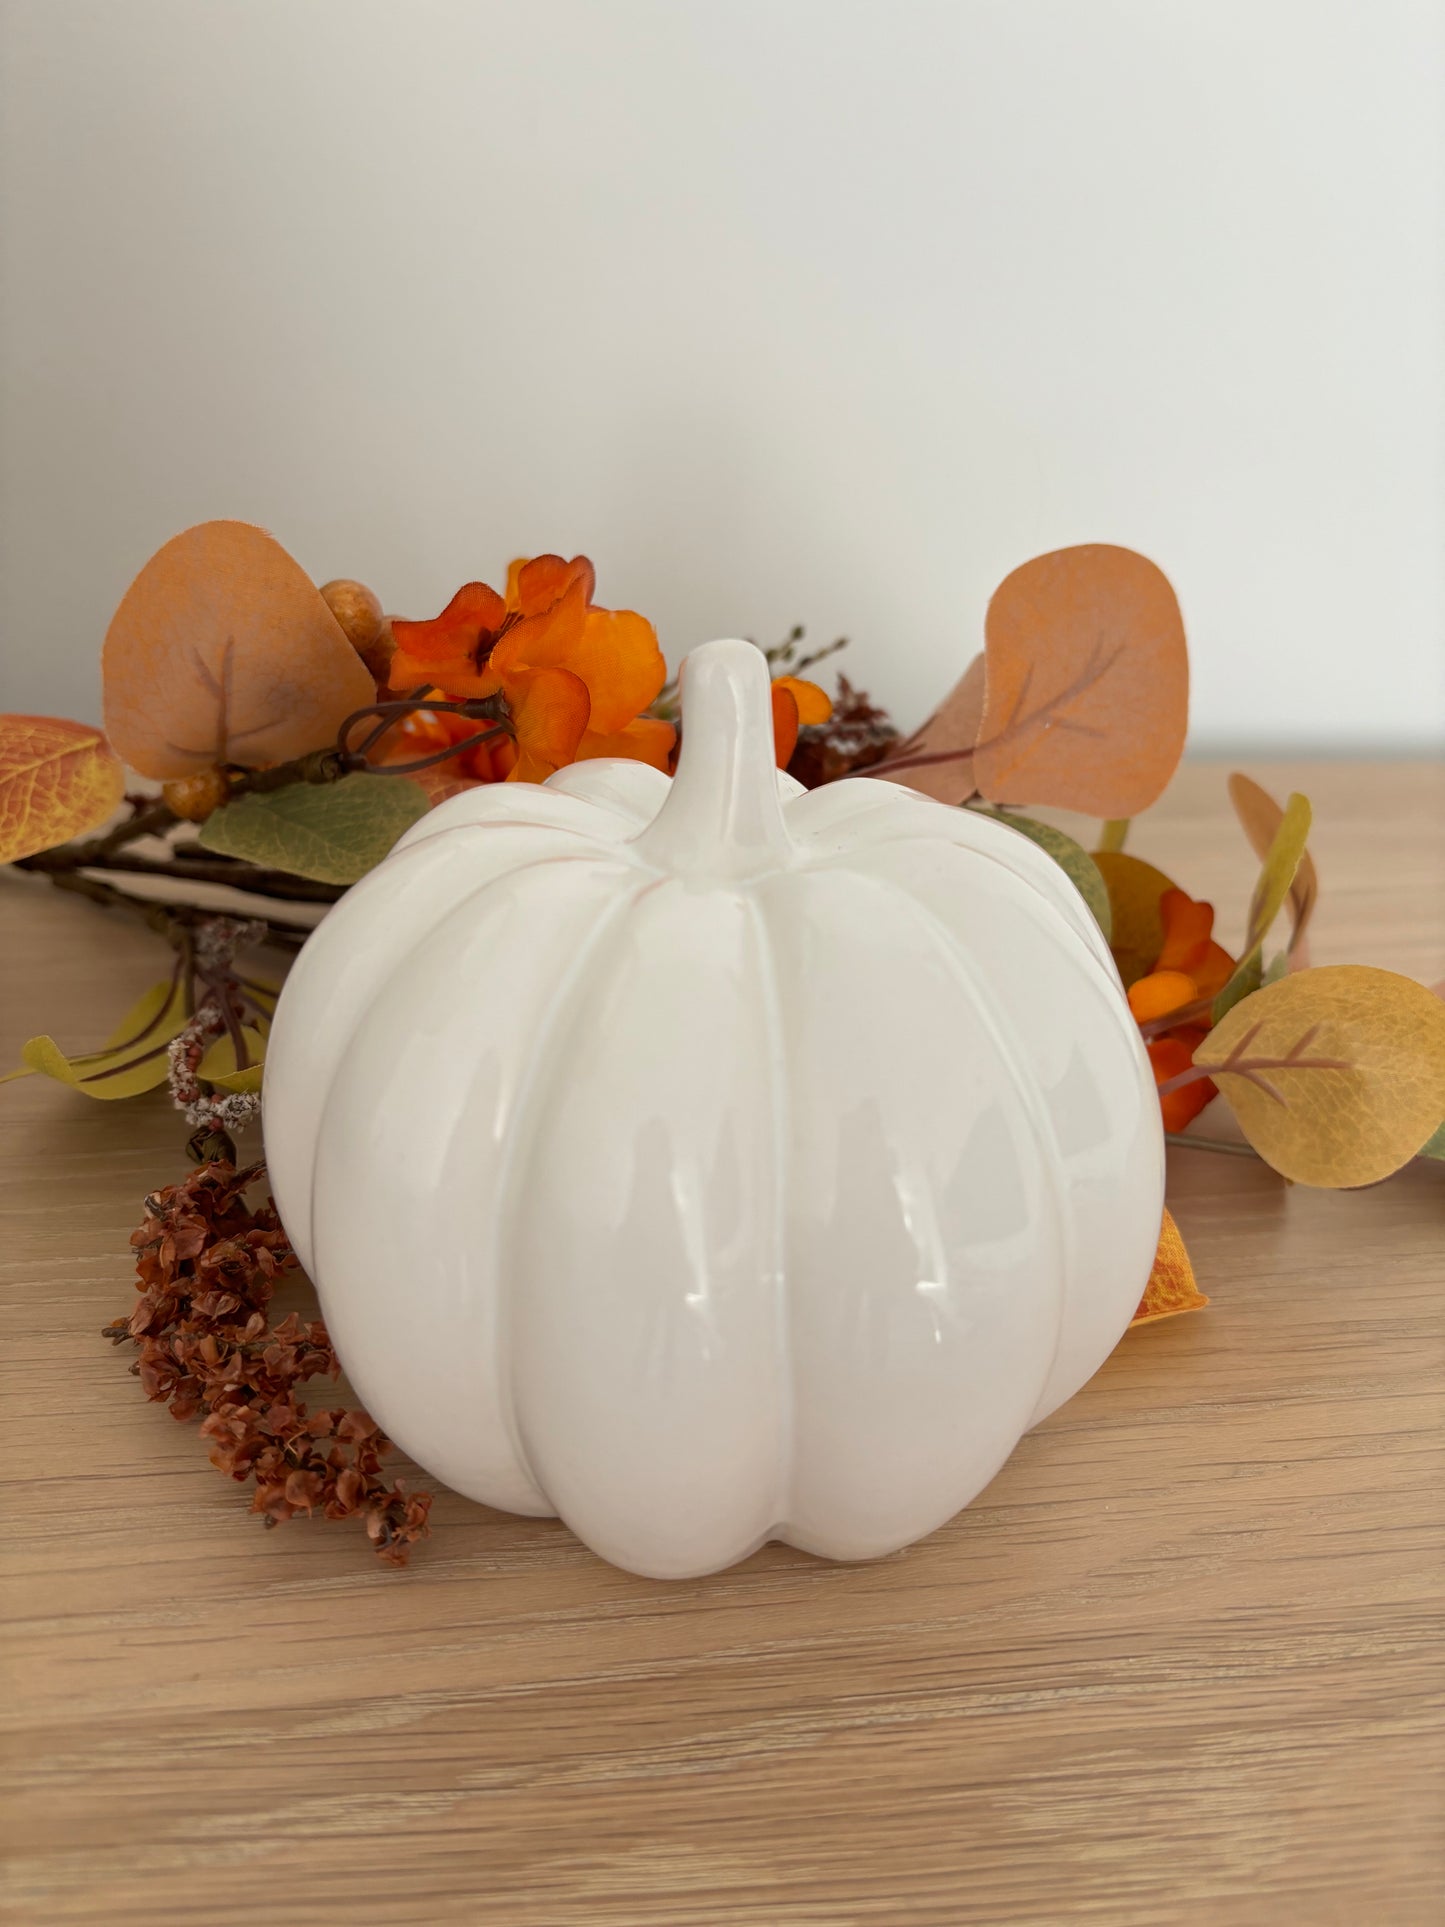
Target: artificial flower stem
column 1184, row 1142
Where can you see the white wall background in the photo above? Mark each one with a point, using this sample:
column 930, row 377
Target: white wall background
column 820, row 310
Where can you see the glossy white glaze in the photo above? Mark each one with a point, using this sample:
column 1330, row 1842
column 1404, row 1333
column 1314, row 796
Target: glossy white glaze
column 712, row 1161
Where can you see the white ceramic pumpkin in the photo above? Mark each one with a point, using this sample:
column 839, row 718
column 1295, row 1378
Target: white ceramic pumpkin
column 709, row 1161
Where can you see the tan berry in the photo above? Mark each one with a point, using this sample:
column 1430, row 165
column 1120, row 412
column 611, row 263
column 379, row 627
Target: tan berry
column 194, row 797
column 362, row 621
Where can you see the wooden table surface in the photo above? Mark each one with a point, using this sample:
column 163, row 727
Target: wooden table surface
column 1182, row 1661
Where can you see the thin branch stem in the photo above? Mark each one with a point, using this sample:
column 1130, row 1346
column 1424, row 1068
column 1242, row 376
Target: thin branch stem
column 1182, row 1141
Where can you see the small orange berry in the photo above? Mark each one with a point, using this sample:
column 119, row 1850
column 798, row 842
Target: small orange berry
column 194, row 797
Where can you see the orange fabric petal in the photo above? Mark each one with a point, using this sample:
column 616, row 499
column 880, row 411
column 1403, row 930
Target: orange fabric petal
column 1213, row 970
column 618, row 658
column 815, row 705
column 1169, row 1055
column 490, row 762
column 1159, row 993
column 785, row 722
column 474, row 612
column 549, row 712
column 1187, row 926
column 1171, row 1288
column 645, row 740
column 534, row 587
column 458, row 678
column 545, row 639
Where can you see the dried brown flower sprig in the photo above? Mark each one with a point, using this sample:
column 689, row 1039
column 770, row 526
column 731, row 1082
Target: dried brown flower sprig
column 207, row 1265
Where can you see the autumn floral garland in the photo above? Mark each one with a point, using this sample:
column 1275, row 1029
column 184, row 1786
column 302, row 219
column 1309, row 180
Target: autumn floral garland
column 290, row 735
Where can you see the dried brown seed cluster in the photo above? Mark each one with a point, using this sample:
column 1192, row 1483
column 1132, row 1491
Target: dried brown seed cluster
column 207, row 1265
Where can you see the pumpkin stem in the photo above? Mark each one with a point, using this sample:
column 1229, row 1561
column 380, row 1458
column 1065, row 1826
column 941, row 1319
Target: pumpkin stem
column 723, row 814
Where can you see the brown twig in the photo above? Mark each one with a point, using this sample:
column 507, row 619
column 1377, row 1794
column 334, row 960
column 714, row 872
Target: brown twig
column 1253, row 1069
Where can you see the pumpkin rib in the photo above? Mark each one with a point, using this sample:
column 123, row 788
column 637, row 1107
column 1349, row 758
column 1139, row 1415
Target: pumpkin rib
column 332, row 934
column 521, row 1130
column 1111, row 1006
column 491, row 1376
column 960, row 964
column 782, row 1126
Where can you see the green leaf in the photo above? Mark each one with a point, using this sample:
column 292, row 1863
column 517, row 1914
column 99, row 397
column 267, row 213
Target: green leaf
column 112, row 1072
column 1072, row 858
column 1286, row 851
column 218, row 1065
column 1434, row 1146
column 334, row 832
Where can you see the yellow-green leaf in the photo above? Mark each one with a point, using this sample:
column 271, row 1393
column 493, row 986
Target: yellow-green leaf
column 1260, row 817
column 1337, row 1075
column 1115, row 833
column 1072, row 858
column 1134, row 888
column 1282, row 860
column 334, row 832
column 218, row 1065
column 132, row 1060
column 1434, row 1145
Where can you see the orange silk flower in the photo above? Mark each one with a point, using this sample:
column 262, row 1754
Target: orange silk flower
column 796, row 701
column 1189, row 970
column 576, row 678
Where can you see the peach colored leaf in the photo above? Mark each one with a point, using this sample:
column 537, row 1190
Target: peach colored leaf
column 1171, row 1288
column 937, row 759
column 1337, row 1075
column 1087, row 695
column 1260, row 817
column 223, row 651
column 1137, row 929
column 57, row 780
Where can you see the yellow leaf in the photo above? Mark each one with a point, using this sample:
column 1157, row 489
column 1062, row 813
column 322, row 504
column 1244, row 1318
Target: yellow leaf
column 1086, row 697
column 1171, row 1288
column 1137, row 929
column 58, row 779
column 1337, row 1075
column 218, row 1065
column 1260, row 817
column 1281, row 862
column 132, row 1060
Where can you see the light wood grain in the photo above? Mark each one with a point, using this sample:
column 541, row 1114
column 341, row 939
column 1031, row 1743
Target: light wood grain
column 1182, row 1662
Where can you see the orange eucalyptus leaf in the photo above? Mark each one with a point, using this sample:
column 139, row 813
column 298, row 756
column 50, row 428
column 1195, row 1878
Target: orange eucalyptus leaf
column 223, row 651
column 938, row 758
column 57, row 780
column 1171, row 1288
column 1087, row 693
